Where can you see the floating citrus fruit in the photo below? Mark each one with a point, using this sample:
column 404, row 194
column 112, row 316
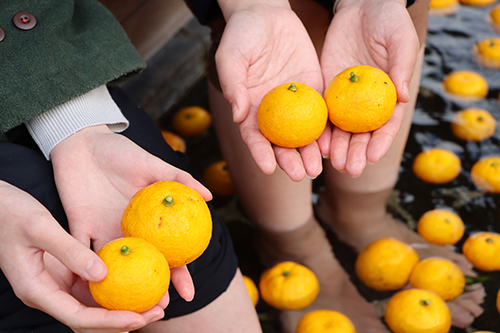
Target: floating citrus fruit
column 482, row 249
column 473, row 124
column 417, row 311
column 437, row 166
column 322, row 321
column 478, row 3
column 218, row 179
column 360, row 99
column 288, row 286
column 138, row 275
column 441, row 226
column 466, row 84
column 171, row 216
column 487, row 52
column 443, row 7
column 191, row 121
column 494, row 17
column 292, row 115
column 176, row 142
column 386, row 264
column 440, row 275
column 253, row 291
column 485, row 174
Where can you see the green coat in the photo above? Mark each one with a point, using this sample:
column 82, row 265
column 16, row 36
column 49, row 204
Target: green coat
column 75, row 46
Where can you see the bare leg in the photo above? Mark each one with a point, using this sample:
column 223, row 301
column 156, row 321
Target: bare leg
column 232, row 311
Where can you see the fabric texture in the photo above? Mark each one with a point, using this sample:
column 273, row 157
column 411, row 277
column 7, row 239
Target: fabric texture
column 76, row 46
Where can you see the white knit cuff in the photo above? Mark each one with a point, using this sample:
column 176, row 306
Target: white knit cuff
column 93, row 108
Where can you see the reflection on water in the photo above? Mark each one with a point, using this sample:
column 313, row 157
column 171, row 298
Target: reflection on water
column 449, row 48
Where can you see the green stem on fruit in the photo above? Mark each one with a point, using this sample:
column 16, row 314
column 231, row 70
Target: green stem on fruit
column 125, row 250
column 286, row 273
column 425, row 302
column 292, row 87
column 168, row 201
column 354, row 77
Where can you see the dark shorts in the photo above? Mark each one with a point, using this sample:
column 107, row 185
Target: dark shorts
column 23, row 165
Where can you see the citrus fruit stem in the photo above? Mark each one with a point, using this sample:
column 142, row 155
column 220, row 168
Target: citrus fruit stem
column 354, row 77
column 494, row 164
column 489, row 240
column 292, row 87
column 425, row 302
column 168, row 201
column 125, row 250
column 286, row 273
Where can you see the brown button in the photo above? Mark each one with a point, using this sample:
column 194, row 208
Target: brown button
column 2, row 34
column 24, row 20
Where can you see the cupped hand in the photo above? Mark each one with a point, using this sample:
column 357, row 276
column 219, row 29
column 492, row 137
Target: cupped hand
column 43, row 263
column 264, row 46
column 379, row 33
column 97, row 172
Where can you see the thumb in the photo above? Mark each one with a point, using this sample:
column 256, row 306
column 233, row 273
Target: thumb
column 75, row 256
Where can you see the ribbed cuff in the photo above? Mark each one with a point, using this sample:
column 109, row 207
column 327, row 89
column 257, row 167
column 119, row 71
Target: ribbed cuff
column 93, row 108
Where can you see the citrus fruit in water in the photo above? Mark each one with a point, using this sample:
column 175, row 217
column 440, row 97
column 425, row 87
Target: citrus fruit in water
column 443, row 7
column 176, row 142
column 473, row 124
column 482, row 249
column 487, row 52
column 360, row 99
column 441, row 226
column 171, row 216
column 437, row 166
column 479, row 3
column 218, row 179
column 138, row 275
column 292, row 115
column 288, row 286
column 417, row 311
column 191, row 121
column 322, row 321
column 386, row 264
column 440, row 275
column 485, row 174
column 467, row 84
column 253, row 291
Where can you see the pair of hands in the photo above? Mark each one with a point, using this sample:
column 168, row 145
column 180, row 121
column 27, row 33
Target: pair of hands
column 265, row 45
column 96, row 173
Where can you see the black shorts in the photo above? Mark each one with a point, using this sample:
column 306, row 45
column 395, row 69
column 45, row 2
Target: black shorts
column 23, row 165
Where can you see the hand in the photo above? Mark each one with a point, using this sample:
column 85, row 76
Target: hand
column 96, row 173
column 379, row 33
column 264, row 46
column 33, row 245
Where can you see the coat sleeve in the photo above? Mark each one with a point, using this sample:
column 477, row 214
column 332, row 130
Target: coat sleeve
column 75, row 47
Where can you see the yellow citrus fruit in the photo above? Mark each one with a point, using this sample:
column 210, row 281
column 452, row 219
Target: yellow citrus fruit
column 360, row 99
column 440, row 275
column 443, row 7
column 218, row 179
column 323, row 321
column 466, row 84
column 498, row 301
column 437, row 166
column 176, row 142
column 386, row 264
column 417, row 311
column 479, row 3
column 482, row 249
column 495, row 17
column 171, row 216
column 292, row 115
column 253, row 291
column 138, row 275
column 473, row 124
column 487, row 52
column 288, row 286
column 485, row 174
column 191, row 121
column 441, row 226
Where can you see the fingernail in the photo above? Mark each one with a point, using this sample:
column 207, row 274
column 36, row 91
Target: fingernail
column 235, row 109
column 406, row 89
column 311, row 178
column 326, row 157
column 95, row 270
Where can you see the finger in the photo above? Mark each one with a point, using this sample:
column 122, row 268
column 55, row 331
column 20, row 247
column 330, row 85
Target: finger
column 383, row 137
column 181, row 279
column 312, row 159
column 356, row 157
column 260, row 148
column 232, row 73
column 290, row 162
column 325, row 140
column 339, row 148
